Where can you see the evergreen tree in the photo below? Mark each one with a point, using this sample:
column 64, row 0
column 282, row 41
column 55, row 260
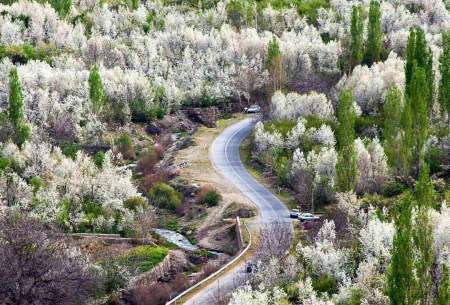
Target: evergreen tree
column 346, row 165
column 444, row 287
column 96, row 92
column 374, row 35
column 410, row 59
column 423, row 235
column 400, row 278
column 392, row 111
column 444, row 68
column 275, row 65
column 357, row 36
column 61, row 6
column 21, row 131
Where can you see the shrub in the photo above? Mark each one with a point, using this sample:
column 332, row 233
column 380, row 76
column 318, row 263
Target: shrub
column 125, row 146
column 209, row 197
column 134, row 203
column 70, row 149
column 114, row 277
column 325, row 283
column 164, row 196
column 99, row 158
column 147, row 160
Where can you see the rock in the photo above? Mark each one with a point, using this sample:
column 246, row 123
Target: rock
column 245, row 213
column 206, row 116
column 153, row 129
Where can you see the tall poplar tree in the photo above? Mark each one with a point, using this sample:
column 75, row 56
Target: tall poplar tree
column 346, row 165
column 444, row 68
column 374, row 35
column 392, row 112
column 357, row 36
column 444, row 287
column 21, row 131
column 96, row 92
column 275, row 64
column 61, row 6
column 400, row 278
column 423, row 235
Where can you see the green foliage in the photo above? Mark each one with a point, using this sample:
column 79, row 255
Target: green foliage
column 363, row 122
column 346, row 165
column 374, row 34
column 444, row 69
column 400, row 279
column 62, row 7
column 143, row 258
column 210, row 198
column 357, row 36
column 309, row 8
column 96, row 92
column 135, row 203
column 70, row 149
column 99, row 158
column 282, row 170
column 4, row 164
column 274, row 64
column 22, row 131
column 325, row 284
column 392, row 112
column 26, row 52
column 444, row 287
column 281, row 126
column 394, row 188
column 423, row 235
column 92, row 210
column 164, row 196
column 113, row 277
column 435, row 157
column 37, row 183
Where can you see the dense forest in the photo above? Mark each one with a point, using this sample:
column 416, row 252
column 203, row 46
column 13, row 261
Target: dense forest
column 97, row 95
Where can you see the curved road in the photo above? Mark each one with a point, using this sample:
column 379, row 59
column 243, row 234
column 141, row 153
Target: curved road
column 225, row 156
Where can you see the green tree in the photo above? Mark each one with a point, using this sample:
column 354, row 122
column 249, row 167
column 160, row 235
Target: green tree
column 374, row 35
column 21, row 131
column 392, row 112
column 61, row 6
column 415, row 121
column 96, row 92
column 275, row 65
column 423, row 235
column 444, row 68
column 357, row 36
column 400, row 277
column 444, row 287
column 346, row 166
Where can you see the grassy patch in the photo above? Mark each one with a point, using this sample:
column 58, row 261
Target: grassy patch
column 143, row 258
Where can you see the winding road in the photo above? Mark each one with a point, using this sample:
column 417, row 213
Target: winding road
column 224, row 154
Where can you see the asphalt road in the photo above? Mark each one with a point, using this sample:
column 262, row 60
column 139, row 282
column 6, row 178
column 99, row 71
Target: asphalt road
column 224, row 155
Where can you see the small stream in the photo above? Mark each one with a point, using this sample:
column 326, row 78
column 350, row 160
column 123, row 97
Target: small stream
column 177, row 239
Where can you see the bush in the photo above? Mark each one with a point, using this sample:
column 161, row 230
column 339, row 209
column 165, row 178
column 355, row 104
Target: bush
column 70, row 149
column 164, row 196
column 325, row 283
column 99, row 158
column 134, row 203
column 394, row 188
column 209, row 197
column 125, row 146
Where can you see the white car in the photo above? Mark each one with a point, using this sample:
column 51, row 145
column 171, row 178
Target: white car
column 252, row 109
column 295, row 213
column 308, row 217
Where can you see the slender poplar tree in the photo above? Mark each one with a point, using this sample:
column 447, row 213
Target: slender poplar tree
column 423, row 235
column 96, row 92
column 444, row 68
column 392, row 112
column 21, row 131
column 400, row 278
column 346, row 165
column 357, row 36
column 275, row 64
column 444, row 287
column 374, row 34
column 62, row 7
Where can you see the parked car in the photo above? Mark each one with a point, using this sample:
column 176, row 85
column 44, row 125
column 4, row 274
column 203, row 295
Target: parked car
column 308, row 217
column 295, row 213
column 252, row 109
